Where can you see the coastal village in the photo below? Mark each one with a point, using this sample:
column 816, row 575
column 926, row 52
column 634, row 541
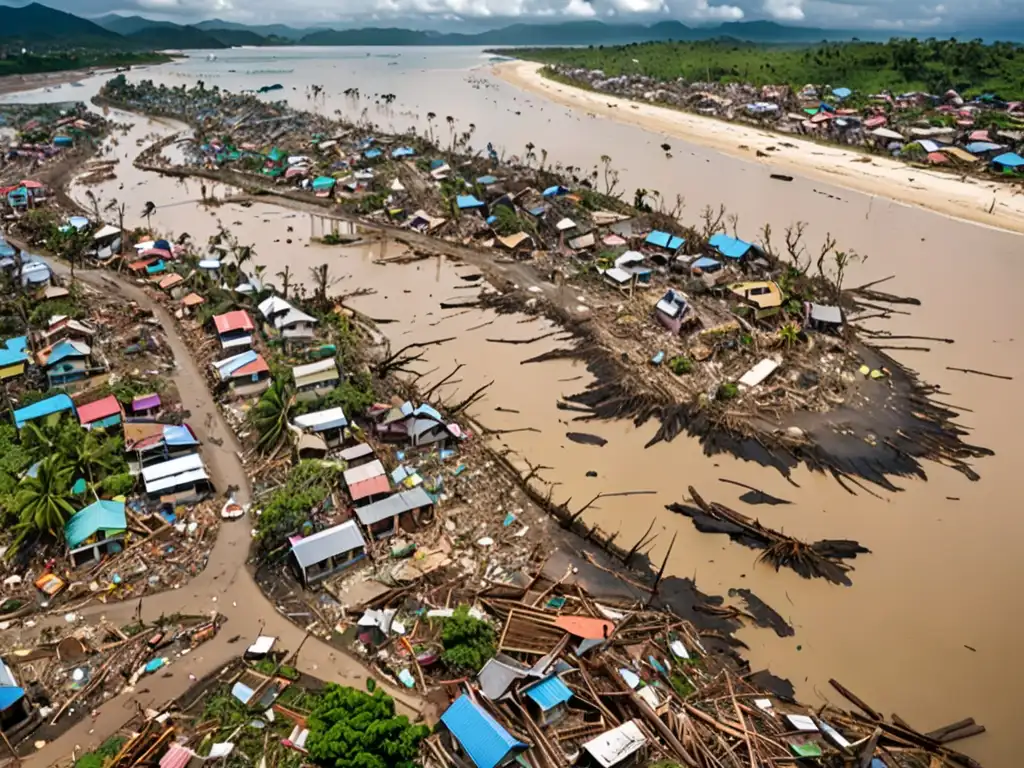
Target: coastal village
column 983, row 134
column 382, row 522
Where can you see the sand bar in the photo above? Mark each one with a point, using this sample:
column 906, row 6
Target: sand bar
column 992, row 203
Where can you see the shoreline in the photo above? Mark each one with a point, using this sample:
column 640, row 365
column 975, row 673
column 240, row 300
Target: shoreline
column 962, row 198
column 17, row 83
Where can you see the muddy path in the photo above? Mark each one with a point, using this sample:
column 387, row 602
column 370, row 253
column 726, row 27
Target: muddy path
column 226, row 585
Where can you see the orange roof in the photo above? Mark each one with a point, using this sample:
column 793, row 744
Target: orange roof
column 171, row 280
column 238, row 320
column 587, row 627
column 371, row 487
column 138, row 266
column 259, row 365
column 193, row 300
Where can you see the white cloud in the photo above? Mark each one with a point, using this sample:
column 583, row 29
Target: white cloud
column 784, row 10
column 579, row 9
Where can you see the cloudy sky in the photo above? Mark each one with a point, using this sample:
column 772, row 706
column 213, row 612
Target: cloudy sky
column 923, row 15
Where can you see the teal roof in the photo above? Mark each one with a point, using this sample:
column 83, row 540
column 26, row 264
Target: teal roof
column 64, row 350
column 13, row 352
column 101, row 515
column 47, row 407
column 549, row 693
column 485, row 741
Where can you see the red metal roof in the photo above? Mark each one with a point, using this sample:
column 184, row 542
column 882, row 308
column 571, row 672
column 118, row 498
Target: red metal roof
column 238, row 320
column 176, row 757
column 371, row 487
column 259, row 365
column 100, row 409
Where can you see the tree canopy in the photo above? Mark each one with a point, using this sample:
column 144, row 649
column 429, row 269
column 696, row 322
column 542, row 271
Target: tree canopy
column 468, row 641
column 349, row 728
column 899, row 65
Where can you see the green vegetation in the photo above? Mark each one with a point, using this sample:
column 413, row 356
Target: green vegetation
column 102, row 754
column 898, row 65
column 349, row 728
column 289, row 507
column 728, row 391
column 271, row 415
column 62, row 61
column 680, row 365
column 39, row 505
column 468, row 641
column 269, row 667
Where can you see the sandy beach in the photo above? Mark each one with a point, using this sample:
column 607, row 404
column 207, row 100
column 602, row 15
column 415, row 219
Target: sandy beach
column 983, row 202
column 16, row 83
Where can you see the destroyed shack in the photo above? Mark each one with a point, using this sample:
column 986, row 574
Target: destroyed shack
column 404, row 511
column 95, row 532
column 322, row 554
column 178, row 481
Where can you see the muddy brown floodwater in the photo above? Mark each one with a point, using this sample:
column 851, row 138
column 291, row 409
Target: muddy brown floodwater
column 927, row 630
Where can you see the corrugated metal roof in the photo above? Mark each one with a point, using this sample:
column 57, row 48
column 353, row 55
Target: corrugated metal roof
column 9, row 696
column 406, row 501
column 98, row 409
column 614, row 746
column 227, row 367
column 364, row 472
column 480, row 735
column 498, row 675
column 327, row 543
column 366, row 488
column 238, row 320
column 320, row 366
column 318, row 421
column 46, row 407
column 185, row 478
column 549, row 693
column 176, row 757
column 101, row 515
column 173, row 467
column 730, row 247
column 356, row 452
column 145, row 402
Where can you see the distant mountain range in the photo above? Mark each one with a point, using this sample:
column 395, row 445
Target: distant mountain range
column 39, row 27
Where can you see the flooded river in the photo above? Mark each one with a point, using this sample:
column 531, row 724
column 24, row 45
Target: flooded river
column 925, row 630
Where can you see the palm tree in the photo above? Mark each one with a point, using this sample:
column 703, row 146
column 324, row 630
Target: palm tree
column 286, row 279
column 147, row 211
column 430, row 125
column 271, row 415
column 44, row 501
column 94, row 457
column 789, row 334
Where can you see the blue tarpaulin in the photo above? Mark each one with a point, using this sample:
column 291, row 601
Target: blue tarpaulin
column 403, row 152
column 842, row 93
column 468, row 201
column 730, row 247
column 555, row 191
column 707, row 264
column 484, row 740
column 323, row 182
column 9, row 696
column 102, row 515
column 980, row 147
column 665, row 240
column 1008, row 160
column 373, row 154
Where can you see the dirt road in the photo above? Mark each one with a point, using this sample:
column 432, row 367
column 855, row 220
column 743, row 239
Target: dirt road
column 226, row 585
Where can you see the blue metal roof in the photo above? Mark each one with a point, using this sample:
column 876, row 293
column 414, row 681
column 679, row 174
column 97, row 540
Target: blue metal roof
column 46, row 407
column 486, row 743
column 707, row 264
column 403, row 152
column 841, row 93
column 549, row 693
column 63, row 350
column 174, row 435
column 101, row 515
column 730, row 247
column 10, row 696
column 232, row 364
column 485, row 180
column 373, row 153
column 13, row 352
column 1009, row 159
column 665, row 240
column 469, row 201
column 978, row 147
column 555, row 191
